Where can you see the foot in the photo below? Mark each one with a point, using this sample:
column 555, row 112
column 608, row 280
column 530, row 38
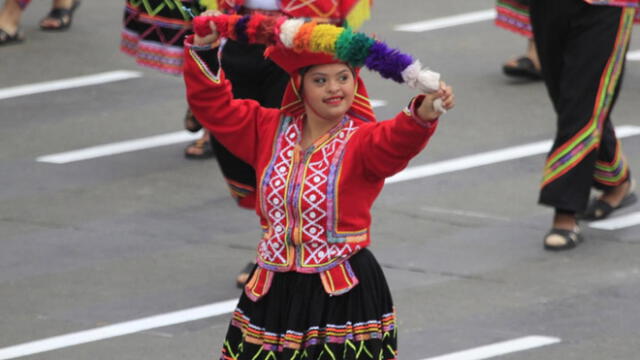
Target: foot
column 611, row 200
column 7, row 38
column 615, row 195
column 190, row 122
column 564, row 234
column 200, row 149
column 10, row 18
column 522, row 67
column 60, row 16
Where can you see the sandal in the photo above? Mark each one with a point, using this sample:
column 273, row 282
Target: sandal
column 191, row 124
column 599, row 209
column 560, row 239
column 243, row 275
column 200, row 149
column 524, row 68
column 8, row 39
column 64, row 17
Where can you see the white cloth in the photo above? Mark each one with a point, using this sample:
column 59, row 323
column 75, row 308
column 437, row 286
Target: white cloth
column 261, row 4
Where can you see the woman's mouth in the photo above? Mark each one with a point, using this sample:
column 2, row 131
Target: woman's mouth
column 334, row 100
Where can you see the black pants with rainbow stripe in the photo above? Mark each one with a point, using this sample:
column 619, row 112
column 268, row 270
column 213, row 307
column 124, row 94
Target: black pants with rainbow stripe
column 582, row 49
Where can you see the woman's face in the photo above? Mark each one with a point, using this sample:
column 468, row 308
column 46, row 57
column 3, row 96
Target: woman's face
column 328, row 89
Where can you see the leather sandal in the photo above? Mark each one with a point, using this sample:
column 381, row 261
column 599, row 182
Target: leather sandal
column 599, row 209
column 524, row 68
column 191, row 124
column 568, row 239
column 9, row 39
column 64, row 17
column 200, row 149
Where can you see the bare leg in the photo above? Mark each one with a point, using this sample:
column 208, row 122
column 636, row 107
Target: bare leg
column 10, row 16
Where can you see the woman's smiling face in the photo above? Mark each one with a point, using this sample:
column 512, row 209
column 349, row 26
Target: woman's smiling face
column 328, row 90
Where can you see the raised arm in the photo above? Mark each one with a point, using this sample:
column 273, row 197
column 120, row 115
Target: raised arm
column 386, row 147
column 236, row 123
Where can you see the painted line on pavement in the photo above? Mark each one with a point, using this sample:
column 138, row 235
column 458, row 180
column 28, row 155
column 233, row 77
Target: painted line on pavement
column 488, row 158
column 69, row 83
column 133, row 145
column 119, row 148
column 501, row 348
column 616, row 223
column 449, row 21
column 115, row 330
column 633, row 55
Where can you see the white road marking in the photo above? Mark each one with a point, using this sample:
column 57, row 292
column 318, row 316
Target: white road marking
column 501, row 348
column 472, row 214
column 633, row 55
column 616, row 223
column 120, row 147
column 133, row 145
column 449, row 21
column 70, row 83
column 490, row 157
column 124, row 328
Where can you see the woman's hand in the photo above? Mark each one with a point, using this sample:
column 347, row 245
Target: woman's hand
column 426, row 111
column 211, row 38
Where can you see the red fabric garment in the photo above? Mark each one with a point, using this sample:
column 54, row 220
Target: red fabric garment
column 314, row 205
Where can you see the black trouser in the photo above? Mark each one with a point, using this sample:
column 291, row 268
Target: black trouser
column 252, row 76
column 582, row 50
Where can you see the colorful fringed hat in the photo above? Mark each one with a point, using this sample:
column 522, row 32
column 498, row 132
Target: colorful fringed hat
column 301, row 35
column 297, row 43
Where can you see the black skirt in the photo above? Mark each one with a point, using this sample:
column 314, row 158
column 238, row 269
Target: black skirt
column 298, row 320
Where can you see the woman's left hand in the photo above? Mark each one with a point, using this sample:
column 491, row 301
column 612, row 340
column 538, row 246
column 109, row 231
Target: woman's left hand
column 427, row 112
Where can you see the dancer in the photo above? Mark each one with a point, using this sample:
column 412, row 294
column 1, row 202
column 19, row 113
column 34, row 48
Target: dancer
column 253, row 76
column 582, row 49
column 322, row 161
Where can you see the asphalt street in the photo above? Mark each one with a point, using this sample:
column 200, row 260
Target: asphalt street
column 102, row 241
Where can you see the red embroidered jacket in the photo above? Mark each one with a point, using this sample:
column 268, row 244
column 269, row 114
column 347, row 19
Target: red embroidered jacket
column 314, row 206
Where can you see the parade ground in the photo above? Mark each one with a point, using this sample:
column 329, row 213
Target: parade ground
column 113, row 246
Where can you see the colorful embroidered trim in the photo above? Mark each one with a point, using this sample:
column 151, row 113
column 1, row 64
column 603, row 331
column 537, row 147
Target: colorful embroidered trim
column 259, row 284
column 567, row 156
column 339, row 280
column 302, row 35
column 331, row 334
column 514, row 16
column 612, row 173
column 165, row 58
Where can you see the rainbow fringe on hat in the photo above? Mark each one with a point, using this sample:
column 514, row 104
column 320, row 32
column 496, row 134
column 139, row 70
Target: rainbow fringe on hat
column 300, row 35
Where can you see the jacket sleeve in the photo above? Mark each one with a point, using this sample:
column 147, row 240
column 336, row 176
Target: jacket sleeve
column 236, row 124
column 385, row 148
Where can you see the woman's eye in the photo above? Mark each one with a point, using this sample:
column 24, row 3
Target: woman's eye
column 319, row 81
column 344, row 78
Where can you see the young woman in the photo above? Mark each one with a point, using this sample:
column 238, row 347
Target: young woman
column 321, row 160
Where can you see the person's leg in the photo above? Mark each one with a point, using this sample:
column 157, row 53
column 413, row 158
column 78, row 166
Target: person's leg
column 584, row 68
column 11, row 14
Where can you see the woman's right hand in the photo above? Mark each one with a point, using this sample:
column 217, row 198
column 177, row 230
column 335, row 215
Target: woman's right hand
column 213, row 36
